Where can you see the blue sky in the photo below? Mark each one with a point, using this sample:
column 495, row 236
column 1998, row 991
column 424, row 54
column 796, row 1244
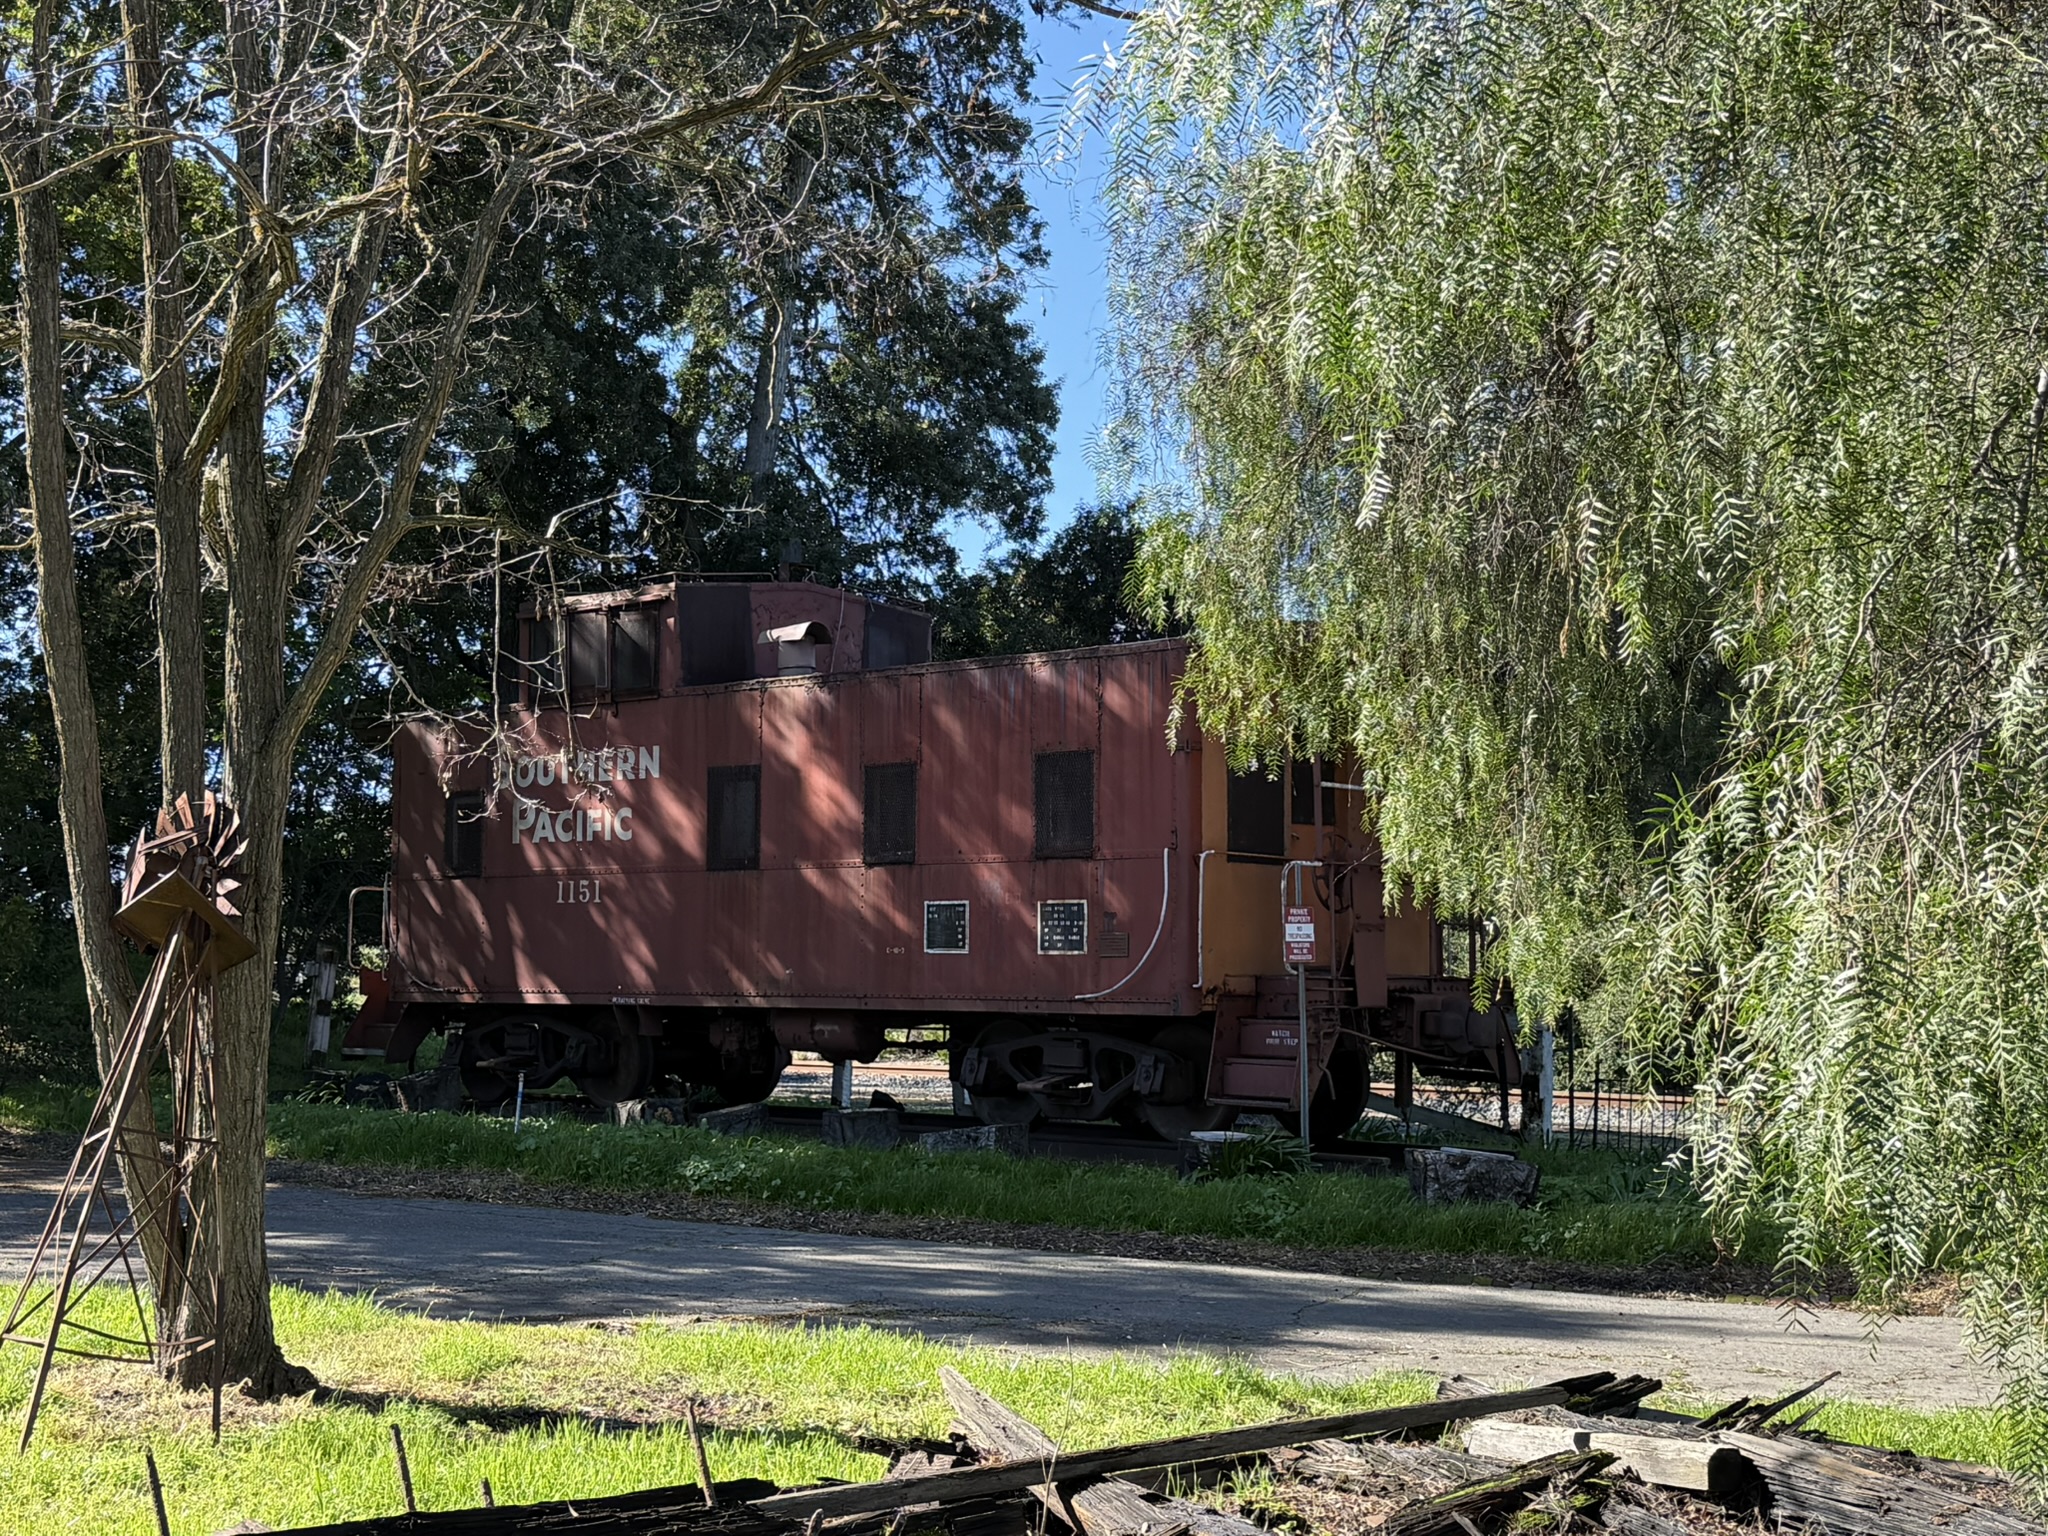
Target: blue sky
column 1067, row 306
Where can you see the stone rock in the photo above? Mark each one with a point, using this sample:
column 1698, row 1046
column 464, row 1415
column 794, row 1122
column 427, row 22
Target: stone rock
column 1450, row 1175
column 873, row 1130
column 651, row 1112
column 423, row 1093
column 881, row 1100
column 1012, row 1140
column 739, row 1120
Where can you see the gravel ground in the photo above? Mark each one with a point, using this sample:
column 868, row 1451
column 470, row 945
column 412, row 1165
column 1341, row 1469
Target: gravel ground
column 927, row 1090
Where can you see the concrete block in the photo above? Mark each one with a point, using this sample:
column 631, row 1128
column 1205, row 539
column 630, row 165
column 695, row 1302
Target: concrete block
column 1013, row 1140
column 874, row 1130
column 739, row 1120
column 1450, row 1175
column 421, row 1093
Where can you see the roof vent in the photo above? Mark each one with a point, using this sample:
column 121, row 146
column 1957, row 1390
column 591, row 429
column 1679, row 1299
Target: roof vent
column 799, row 648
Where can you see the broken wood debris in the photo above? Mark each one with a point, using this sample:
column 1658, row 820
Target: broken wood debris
column 1109, row 1507
column 1183, row 1450
column 1532, row 1460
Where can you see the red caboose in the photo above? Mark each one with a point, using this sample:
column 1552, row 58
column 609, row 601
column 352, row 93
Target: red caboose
column 721, row 821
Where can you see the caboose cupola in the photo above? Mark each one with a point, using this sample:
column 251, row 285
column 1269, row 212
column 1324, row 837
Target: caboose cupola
column 601, row 648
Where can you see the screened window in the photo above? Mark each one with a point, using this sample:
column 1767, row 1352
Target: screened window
column 733, row 801
column 464, row 832
column 1063, row 792
column 889, row 823
column 1302, row 798
column 1255, row 816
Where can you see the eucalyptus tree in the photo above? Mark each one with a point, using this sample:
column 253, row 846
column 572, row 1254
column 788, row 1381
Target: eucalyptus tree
column 1643, row 404
column 317, row 185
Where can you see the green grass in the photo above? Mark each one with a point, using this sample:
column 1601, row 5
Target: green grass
column 37, row 1106
column 1593, row 1211
column 1596, row 1208
column 564, row 1411
column 1954, row 1434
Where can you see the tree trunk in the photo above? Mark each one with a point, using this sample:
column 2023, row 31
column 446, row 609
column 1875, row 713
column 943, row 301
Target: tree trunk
column 231, row 1251
column 109, row 988
column 180, row 619
column 771, row 383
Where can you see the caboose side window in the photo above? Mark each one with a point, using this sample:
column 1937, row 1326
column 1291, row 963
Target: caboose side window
column 1255, row 817
column 889, row 819
column 1301, row 797
column 464, row 833
column 636, row 651
column 732, row 799
column 611, row 653
column 1063, row 789
column 590, row 672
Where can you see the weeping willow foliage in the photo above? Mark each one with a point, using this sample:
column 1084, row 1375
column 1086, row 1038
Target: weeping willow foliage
column 1617, row 425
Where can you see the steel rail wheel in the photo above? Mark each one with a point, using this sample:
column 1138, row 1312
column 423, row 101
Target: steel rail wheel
column 1190, row 1042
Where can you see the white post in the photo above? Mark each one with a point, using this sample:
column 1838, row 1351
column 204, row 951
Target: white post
column 1546, row 1080
column 1293, row 868
column 842, row 1085
column 319, row 1027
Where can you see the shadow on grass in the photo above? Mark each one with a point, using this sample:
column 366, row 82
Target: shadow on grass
column 512, row 1418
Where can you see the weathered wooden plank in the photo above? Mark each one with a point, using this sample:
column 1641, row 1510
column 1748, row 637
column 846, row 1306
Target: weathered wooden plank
column 1448, row 1514
column 1109, row 1507
column 1627, row 1520
column 1845, row 1495
column 1368, row 1466
column 677, row 1511
column 1670, row 1461
column 1015, row 1476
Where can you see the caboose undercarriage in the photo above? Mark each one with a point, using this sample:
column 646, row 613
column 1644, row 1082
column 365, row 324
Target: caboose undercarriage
column 1171, row 1076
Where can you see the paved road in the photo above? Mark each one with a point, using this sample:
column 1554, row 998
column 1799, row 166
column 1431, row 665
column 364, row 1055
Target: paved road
column 458, row 1259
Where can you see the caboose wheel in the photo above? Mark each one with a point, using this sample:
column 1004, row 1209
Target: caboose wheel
column 628, row 1067
column 751, row 1085
column 486, row 1086
column 1190, row 1042
column 993, row 1106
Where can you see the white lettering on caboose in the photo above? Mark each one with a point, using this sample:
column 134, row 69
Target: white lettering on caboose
column 599, row 766
column 537, row 823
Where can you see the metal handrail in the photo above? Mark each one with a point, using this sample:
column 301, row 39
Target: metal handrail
column 1165, row 892
column 383, row 924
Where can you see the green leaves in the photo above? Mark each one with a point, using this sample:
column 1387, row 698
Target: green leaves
column 1618, row 428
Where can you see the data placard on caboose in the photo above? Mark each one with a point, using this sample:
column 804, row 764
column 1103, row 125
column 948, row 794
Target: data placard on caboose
column 945, row 927
column 1063, row 927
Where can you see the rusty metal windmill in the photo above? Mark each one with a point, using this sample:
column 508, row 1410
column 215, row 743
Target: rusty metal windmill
column 177, row 902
